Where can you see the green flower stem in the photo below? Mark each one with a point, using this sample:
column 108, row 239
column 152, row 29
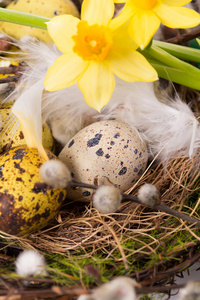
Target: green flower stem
column 176, row 75
column 182, row 52
column 171, row 61
column 8, row 15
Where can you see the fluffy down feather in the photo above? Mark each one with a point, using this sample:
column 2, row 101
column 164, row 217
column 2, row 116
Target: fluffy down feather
column 120, row 288
column 30, row 263
column 168, row 126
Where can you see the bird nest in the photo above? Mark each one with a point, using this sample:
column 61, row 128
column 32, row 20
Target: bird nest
column 84, row 248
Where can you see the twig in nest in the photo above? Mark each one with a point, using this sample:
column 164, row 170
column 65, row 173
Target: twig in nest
column 5, row 284
column 107, row 199
column 166, row 209
column 185, row 37
column 149, row 277
column 158, row 289
column 11, row 69
column 74, row 183
column 161, row 207
column 40, row 293
column 17, row 70
column 57, row 174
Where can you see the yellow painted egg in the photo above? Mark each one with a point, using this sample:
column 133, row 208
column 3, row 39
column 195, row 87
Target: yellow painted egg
column 105, row 152
column 26, row 202
column 11, row 134
column 45, row 8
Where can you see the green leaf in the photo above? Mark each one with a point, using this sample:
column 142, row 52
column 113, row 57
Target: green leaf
column 182, row 52
column 176, row 75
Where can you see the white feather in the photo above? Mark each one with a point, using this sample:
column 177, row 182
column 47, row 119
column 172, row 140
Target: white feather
column 169, row 127
column 27, row 109
column 120, row 288
column 85, row 297
column 30, row 263
column 67, row 112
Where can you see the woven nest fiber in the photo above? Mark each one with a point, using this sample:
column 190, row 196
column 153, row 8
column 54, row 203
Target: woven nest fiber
column 84, row 248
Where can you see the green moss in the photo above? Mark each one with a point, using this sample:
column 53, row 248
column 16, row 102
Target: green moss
column 67, row 270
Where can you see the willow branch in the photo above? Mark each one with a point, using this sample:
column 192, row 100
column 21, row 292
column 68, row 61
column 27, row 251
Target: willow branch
column 161, row 207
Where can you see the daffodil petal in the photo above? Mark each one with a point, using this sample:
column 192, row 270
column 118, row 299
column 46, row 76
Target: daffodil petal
column 97, row 85
column 61, row 29
column 66, row 71
column 121, row 38
column 125, row 15
column 142, row 27
column 176, row 2
column 131, row 66
column 97, row 11
column 177, row 17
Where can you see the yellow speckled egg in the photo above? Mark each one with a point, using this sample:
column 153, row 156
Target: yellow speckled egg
column 103, row 152
column 4, row 63
column 26, row 202
column 45, row 8
column 11, row 134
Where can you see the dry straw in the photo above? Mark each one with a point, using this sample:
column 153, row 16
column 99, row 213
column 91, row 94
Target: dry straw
column 140, row 242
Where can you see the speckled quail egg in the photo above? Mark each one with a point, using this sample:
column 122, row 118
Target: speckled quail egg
column 45, row 8
column 11, row 134
column 26, row 202
column 105, row 152
column 7, row 88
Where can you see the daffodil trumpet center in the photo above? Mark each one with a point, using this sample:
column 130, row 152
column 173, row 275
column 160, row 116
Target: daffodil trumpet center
column 145, row 4
column 92, row 42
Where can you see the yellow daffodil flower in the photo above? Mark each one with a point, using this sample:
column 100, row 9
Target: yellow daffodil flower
column 93, row 52
column 146, row 15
